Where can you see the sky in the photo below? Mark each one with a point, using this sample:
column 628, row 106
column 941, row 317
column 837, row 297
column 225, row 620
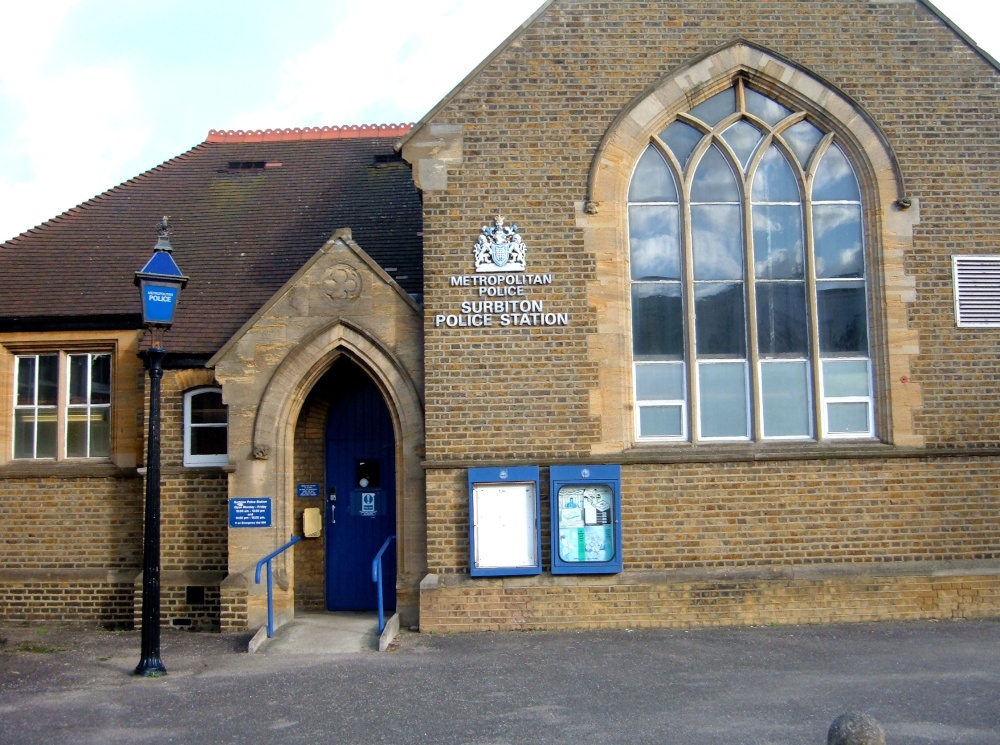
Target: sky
column 94, row 92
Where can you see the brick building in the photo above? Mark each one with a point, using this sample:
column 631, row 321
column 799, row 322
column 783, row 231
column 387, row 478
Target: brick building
column 747, row 315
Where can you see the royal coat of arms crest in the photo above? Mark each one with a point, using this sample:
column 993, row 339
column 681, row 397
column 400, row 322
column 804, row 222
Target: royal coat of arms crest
column 499, row 248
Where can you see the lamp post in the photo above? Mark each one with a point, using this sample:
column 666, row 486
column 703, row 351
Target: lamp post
column 160, row 282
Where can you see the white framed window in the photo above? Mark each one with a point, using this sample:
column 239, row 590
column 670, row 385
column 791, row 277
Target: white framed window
column 748, row 278
column 977, row 291
column 206, row 428
column 62, row 405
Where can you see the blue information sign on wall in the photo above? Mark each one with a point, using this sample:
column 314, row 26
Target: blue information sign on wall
column 250, row 512
column 307, row 490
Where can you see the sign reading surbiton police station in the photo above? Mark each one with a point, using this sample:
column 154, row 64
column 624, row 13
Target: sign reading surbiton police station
column 500, row 283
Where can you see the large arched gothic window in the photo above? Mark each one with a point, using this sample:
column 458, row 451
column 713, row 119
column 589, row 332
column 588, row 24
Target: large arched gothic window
column 749, row 312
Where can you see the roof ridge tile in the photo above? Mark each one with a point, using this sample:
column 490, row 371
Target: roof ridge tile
column 344, row 132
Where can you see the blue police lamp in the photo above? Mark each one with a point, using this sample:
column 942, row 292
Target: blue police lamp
column 160, row 283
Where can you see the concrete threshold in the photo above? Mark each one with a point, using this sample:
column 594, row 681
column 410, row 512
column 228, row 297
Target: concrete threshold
column 325, row 633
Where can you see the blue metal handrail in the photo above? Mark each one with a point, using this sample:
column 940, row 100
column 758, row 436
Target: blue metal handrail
column 270, row 589
column 377, row 579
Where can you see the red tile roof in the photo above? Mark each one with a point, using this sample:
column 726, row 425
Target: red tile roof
column 246, row 211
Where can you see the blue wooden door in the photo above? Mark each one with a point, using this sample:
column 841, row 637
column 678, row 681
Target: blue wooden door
column 361, row 492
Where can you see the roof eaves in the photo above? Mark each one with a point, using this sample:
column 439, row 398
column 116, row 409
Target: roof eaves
column 426, row 118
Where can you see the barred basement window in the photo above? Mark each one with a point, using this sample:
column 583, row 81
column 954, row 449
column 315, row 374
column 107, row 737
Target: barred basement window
column 62, row 406
column 747, row 261
column 977, row 291
column 206, row 428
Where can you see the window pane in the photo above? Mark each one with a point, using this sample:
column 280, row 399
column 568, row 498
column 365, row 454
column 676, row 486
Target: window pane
column 714, row 180
column 100, row 379
column 100, row 433
column 742, row 137
column 79, row 380
column 207, row 408
column 659, row 382
column 835, row 180
column 774, row 180
column 848, row 418
column 843, row 320
column 25, row 381
column 802, row 138
column 764, row 108
column 654, row 242
column 717, row 241
column 777, row 242
column 782, row 324
column 720, row 320
column 652, row 180
column 208, row 440
column 45, row 442
column 837, row 234
column 658, row 320
column 717, row 108
column 723, row 399
column 77, row 425
column 786, row 407
column 24, row 433
column 48, row 379
column 682, row 139
column 845, row 379
column 660, row 421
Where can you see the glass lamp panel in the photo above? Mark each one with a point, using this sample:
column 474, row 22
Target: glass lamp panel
column 777, row 242
column 682, row 139
column 782, row 320
column 838, row 241
column 100, row 379
column 774, row 180
column 723, row 390
column 785, row 388
column 716, row 108
column 802, row 138
column 720, row 319
column 717, row 241
column 659, row 381
column 208, row 440
column 207, row 408
column 845, row 379
column 652, row 180
column 48, row 380
column 654, row 242
column 79, row 380
column 742, row 137
column 843, row 318
column 763, row 107
column 25, row 381
column 835, row 180
column 848, row 418
column 661, row 421
column 657, row 320
column 714, row 180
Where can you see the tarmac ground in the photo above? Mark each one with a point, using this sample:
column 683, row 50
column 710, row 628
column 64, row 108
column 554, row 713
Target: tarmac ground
column 925, row 682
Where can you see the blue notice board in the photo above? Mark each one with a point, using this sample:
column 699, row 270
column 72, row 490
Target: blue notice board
column 307, row 490
column 250, row 512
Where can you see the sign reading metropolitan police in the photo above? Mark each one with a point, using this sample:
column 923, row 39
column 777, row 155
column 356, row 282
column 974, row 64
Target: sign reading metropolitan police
column 250, row 512
column 500, row 260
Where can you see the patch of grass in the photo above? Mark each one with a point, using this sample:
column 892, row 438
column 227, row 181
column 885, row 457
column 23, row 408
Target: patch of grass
column 37, row 648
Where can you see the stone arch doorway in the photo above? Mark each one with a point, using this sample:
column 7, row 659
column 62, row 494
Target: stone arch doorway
column 345, row 442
